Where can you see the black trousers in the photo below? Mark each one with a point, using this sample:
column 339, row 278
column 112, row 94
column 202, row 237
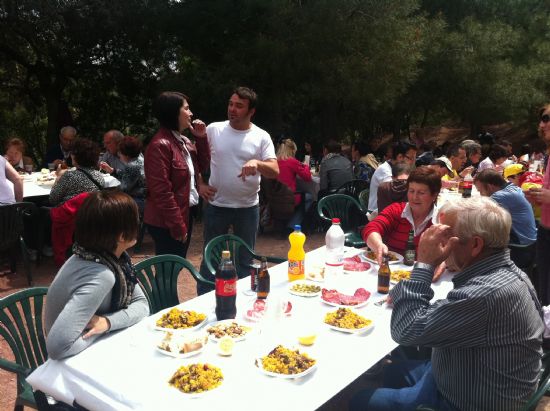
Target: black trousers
column 165, row 244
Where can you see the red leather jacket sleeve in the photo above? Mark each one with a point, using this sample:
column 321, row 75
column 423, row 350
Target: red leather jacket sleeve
column 203, row 154
column 168, row 182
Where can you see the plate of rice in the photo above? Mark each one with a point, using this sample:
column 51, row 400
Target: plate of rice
column 180, row 320
column 282, row 362
column 196, row 379
column 347, row 321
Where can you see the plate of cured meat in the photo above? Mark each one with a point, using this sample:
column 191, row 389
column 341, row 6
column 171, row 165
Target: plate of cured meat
column 360, row 298
column 259, row 307
column 355, row 264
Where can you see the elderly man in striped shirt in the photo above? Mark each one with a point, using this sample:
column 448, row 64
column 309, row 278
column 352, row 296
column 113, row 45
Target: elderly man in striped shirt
column 485, row 336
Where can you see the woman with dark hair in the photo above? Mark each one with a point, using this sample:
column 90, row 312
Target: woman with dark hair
column 496, row 157
column 172, row 171
column 85, row 177
column 96, row 290
column 132, row 176
column 390, row 229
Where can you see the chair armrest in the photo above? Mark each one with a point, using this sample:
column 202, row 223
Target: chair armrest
column 14, row 367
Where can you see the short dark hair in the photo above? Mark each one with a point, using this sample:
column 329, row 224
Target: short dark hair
column 130, row 146
column 333, row 146
column 497, row 151
column 490, row 176
column 362, row 147
column 400, row 167
column 166, row 108
column 454, row 151
column 247, row 94
column 428, row 176
column 103, row 218
column 85, row 152
column 402, row 148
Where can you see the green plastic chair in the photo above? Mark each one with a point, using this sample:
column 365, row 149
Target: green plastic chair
column 350, row 213
column 21, row 326
column 353, row 188
column 158, row 277
column 364, row 200
column 544, row 384
column 235, row 245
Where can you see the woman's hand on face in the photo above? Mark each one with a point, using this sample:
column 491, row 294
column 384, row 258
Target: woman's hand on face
column 106, row 167
column 96, row 325
column 198, row 128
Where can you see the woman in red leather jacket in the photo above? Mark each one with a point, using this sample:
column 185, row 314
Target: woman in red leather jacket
column 173, row 166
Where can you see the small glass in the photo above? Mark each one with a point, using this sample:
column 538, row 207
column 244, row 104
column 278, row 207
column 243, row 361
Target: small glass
column 51, row 167
column 28, row 168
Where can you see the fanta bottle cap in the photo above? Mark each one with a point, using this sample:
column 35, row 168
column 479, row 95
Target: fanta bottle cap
column 335, row 221
column 297, row 227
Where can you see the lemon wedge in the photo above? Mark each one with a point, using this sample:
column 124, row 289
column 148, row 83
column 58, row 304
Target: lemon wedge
column 225, row 345
column 307, row 339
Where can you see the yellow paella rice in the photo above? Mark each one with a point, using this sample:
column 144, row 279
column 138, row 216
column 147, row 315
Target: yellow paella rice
column 178, row 319
column 281, row 360
column 196, row 378
column 345, row 318
column 398, row 275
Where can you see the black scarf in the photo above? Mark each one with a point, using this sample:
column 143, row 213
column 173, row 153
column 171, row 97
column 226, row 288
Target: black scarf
column 123, row 270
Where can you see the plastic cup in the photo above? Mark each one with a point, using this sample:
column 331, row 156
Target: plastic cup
column 51, row 166
column 28, row 168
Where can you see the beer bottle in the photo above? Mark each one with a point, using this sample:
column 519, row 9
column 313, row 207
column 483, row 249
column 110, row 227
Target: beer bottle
column 226, row 288
column 263, row 280
column 384, row 274
column 410, row 251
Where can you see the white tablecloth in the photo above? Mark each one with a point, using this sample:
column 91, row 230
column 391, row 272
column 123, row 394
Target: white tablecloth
column 123, row 370
column 32, row 188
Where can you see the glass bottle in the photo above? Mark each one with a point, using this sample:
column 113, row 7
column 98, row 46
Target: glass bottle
column 263, row 280
column 410, row 251
column 384, row 274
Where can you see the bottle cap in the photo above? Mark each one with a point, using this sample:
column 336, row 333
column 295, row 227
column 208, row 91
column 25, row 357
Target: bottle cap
column 335, row 221
column 297, row 227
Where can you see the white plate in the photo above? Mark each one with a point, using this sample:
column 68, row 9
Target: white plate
column 398, row 261
column 196, row 327
column 260, row 367
column 346, row 306
column 256, row 319
column 197, row 394
column 351, row 330
column 355, row 271
column 302, row 294
column 236, row 339
column 180, row 355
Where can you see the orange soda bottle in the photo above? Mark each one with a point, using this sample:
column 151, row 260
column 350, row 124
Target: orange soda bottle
column 296, row 254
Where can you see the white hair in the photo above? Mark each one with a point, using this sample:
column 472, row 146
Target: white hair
column 68, row 129
column 482, row 217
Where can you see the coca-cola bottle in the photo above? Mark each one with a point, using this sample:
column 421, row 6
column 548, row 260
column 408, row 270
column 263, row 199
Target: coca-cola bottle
column 226, row 288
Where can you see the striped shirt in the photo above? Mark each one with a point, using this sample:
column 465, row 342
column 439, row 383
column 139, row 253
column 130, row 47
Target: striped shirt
column 486, row 335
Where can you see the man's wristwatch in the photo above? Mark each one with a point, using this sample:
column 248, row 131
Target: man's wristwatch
column 424, row 266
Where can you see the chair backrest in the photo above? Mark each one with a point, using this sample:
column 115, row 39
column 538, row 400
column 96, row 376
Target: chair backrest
column 11, row 222
column 544, row 384
column 353, row 188
column 364, row 199
column 344, row 207
column 214, row 248
column 158, row 277
column 22, row 327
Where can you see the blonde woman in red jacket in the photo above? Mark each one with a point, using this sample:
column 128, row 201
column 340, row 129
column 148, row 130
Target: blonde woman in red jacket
column 173, row 167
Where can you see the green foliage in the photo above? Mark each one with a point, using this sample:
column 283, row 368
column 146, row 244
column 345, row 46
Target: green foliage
column 322, row 68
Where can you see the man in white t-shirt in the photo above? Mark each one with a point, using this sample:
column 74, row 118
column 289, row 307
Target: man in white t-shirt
column 402, row 151
column 241, row 153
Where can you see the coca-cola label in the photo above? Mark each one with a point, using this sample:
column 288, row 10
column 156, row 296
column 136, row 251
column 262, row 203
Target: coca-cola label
column 226, row 288
column 296, row 267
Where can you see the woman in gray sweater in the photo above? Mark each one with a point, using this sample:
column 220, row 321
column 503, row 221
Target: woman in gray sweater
column 96, row 290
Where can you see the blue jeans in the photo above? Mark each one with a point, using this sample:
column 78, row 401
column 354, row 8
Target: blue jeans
column 216, row 222
column 408, row 384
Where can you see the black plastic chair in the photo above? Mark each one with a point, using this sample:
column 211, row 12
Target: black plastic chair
column 350, row 213
column 353, row 188
column 22, row 328
column 11, row 233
